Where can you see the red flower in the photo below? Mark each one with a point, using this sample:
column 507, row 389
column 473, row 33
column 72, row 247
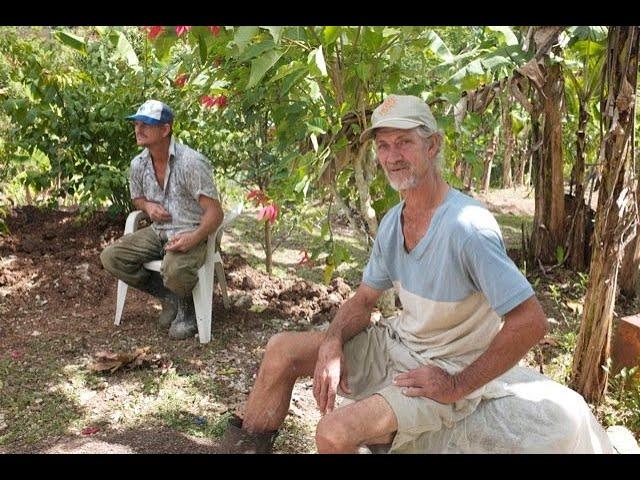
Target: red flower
column 153, row 32
column 207, row 101
column 258, row 197
column 306, row 259
column 215, row 31
column 269, row 213
column 181, row 30
column 16, row 355
column 181, row 79
column 221, row 101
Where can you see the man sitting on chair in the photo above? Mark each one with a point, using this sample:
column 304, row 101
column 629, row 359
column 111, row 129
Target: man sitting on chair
column 172, row 183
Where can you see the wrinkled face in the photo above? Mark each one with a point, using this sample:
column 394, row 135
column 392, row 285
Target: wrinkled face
column 405, row 156
column 147, row 135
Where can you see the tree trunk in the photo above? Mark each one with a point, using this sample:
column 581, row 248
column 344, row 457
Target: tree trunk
column 549, row 230
column 577, row 239
column 362, row 172
column 488, row 163
column 614, row 215
column 507, row 129
column 267, row 247
column 631, row 260
column 467, row 179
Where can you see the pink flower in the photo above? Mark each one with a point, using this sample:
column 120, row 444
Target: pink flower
column 181, row 30
column 181, row 79
column 153, row 32
column 215, row 31
column 269, row 213
column 16, row 355
column 207, row 101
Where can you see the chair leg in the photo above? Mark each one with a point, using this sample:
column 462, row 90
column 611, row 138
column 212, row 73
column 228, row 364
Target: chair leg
column 202, row 298
column 122, row 294
column 223, row 284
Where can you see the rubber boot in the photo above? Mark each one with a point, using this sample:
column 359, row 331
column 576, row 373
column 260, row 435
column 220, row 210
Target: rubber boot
column 184, row 325
column 237, row 440
column 155, row 286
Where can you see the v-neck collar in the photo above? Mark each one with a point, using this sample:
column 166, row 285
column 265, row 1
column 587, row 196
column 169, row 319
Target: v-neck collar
column 424, row 242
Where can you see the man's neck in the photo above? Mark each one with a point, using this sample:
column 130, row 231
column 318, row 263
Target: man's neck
column 160, row 152
column 425, row 197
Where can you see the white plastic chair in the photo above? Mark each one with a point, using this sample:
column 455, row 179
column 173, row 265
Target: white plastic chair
column 203, row 291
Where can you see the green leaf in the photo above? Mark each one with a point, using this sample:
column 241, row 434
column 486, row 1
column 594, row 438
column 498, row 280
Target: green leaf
column 163, row 45
column 327, row 274
column 437, row 46
column 330, row 35
column 243, row 36
column 257, row 49
column 372, row 38
column 507, row 33
column 124, row 50
column 261, row 65
column 202, row 49
column 322, row 66
column 276, row 34
column 71, row 40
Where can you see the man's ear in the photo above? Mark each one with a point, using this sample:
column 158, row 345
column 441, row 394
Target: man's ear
column 166, row 129
column 436, row 143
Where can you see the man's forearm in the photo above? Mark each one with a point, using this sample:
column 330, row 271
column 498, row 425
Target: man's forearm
column 140, row 204
column 210, row 221
column 522, row 330
column 352, row 317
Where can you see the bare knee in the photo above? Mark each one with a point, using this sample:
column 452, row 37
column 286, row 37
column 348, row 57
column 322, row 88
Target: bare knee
column 278, row 357
column 333, row 436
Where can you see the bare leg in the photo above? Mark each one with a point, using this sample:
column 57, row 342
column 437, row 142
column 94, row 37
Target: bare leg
column 367, row 422
column 288, row 356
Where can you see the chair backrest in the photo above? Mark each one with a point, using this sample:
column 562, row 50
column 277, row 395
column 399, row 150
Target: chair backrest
column 216, row 237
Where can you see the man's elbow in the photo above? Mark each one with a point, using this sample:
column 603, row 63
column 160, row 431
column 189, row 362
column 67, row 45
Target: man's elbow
column 543, row 325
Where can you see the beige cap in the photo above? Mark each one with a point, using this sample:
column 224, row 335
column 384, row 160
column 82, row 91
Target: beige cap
column 400, row 111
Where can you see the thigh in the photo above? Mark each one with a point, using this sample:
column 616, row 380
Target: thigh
column 138, row 247
column 368, row 421
column 185, row 262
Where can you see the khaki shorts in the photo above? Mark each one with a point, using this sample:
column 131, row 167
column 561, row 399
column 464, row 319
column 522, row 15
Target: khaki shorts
column 373, row 358
column 532, row 415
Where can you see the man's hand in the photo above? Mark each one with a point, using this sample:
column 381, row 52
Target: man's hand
column 329, row 373
column 430, row 382
column 182, row 242
column 157, row 213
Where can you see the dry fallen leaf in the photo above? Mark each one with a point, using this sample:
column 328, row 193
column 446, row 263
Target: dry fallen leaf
column 90, row 430
column 140, row 358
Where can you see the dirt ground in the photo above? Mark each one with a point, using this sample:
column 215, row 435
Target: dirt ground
column 57, row 304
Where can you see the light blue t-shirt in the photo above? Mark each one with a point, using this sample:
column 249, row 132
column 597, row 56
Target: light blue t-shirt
column 454, row 285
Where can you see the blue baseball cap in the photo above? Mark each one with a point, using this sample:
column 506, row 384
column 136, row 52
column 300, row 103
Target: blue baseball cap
column 153, row 112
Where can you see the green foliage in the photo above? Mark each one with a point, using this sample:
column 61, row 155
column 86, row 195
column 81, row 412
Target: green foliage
column 622, row 405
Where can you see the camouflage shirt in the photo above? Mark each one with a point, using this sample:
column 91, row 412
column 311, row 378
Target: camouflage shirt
column 188, row 176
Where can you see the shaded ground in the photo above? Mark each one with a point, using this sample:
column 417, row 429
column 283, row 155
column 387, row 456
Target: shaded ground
column 56, row 312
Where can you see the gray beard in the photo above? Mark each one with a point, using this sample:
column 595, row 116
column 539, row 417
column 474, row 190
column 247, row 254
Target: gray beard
column 404, row 184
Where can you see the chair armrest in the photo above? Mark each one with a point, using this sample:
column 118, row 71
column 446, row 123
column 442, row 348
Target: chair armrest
column 133, row 219
column 229, row 218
